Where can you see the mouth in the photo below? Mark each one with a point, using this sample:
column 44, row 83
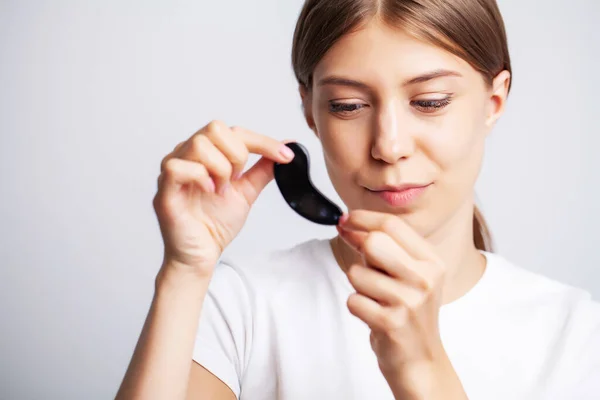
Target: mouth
column 401, row 195
column 400, row 188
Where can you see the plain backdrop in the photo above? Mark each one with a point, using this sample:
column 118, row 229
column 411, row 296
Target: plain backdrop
column 94, row 94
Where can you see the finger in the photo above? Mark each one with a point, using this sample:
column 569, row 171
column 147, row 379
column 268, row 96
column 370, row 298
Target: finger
column 201, row 150
column 254, row 142
column 252, row 183
column 354, row 239
column 376, row 316
column 234, row 149
column 382, row 288
column 395, row 227
column 172, row 154
column 366, row 309
column 264, row 145
column 383, row 253
column 178, row 172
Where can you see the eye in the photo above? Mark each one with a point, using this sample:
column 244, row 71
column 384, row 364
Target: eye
column 345, row 108
column 433, row 105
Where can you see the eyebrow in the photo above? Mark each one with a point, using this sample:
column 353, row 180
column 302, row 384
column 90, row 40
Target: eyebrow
column 341, row 81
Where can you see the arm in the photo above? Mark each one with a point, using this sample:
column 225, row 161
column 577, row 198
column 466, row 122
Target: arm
column 203, row 385
column 428, row 382
column 162, row 366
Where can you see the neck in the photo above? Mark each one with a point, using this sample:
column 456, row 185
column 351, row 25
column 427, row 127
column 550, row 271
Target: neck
column 453, row 242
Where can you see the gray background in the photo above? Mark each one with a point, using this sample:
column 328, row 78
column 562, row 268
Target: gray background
column 94, row 94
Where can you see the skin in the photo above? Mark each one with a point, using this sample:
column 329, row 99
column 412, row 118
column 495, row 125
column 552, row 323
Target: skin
column 404, row 262
column 201, row 203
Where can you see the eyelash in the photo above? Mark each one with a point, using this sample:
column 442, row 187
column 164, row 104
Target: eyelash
column 433, row 105
column 427, row 106
column 344, row 108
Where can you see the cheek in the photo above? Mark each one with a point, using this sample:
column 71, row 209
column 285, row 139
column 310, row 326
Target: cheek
column 345, row 143
column 458, row 140
column 346, row 152
column 344, row 157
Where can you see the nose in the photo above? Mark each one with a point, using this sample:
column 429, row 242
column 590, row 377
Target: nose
column 392, row 141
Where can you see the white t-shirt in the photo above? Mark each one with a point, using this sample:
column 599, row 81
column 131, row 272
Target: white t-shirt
column 277, row 326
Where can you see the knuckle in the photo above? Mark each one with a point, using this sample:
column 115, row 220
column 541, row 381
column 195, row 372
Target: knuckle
column 165, row 160
column 163, row 163
column 225, row 170
column 158, row 202
column 201, row 170
column 413, row 303
column 388, row 323
column 394, row 321
column 353, row 272
column 220, row 169
column 372, row 240
column 369, row 241
column 215, row 126
column 241, row 156
column 170, row 167
column 199, row 142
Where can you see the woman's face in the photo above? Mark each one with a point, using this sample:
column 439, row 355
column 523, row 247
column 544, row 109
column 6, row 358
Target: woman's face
column 392, row 111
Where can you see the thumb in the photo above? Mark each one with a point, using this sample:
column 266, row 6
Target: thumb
column 253, row 181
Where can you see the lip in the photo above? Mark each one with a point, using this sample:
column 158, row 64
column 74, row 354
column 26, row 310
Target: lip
column 399, row 188
column 401, row 195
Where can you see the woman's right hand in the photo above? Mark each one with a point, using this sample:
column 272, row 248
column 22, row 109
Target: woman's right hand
column 203, row 200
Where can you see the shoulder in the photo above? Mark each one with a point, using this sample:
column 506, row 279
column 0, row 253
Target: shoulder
column 543, row 322
column 573, row 311
column 512, row 294
column 524, row 285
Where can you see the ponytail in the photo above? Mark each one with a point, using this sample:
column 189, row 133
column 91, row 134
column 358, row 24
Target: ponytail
column 481, row 232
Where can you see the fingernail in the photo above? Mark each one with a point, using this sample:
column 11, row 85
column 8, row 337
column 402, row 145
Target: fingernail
column 286, row 152
column 343, row 219
column 237, row 175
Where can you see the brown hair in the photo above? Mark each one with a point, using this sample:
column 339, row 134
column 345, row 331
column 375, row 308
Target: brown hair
column 470, row 29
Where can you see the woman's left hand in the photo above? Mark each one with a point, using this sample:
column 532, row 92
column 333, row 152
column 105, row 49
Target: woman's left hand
column 398, row 295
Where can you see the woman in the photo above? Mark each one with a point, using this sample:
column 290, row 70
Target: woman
column 408, row 301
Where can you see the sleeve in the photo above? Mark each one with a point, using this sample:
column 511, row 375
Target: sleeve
column 578, row 372
column 224, row 334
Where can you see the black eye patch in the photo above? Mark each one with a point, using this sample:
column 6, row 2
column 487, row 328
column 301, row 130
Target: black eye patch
column 302, row 196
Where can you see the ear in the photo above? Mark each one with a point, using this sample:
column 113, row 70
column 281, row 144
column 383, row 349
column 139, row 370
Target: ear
column 307, row 107
column 499, row 94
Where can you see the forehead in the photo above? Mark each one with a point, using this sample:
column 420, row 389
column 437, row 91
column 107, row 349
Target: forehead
column 377, row 50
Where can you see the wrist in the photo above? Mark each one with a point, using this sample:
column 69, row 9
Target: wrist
column 414, row 382
column 173, row 275
column 429, row 381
